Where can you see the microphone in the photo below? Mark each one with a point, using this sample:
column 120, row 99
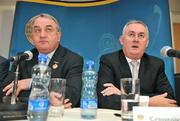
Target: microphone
column 27, row 55
column 167, row 51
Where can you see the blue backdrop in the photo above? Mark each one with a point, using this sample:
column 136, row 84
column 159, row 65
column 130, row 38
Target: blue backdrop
column 94, row 30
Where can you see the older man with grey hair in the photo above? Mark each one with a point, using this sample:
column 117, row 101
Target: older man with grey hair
column 43, row 31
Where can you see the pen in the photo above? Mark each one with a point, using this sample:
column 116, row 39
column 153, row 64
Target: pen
column 117, row 114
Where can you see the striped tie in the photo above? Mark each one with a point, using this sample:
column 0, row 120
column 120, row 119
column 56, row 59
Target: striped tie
column 134, row 64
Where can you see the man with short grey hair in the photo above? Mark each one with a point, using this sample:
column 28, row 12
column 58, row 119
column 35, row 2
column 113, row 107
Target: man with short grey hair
column 149, row 69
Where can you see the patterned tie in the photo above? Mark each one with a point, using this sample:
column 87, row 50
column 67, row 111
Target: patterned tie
column 134, row 64
column 48, row 60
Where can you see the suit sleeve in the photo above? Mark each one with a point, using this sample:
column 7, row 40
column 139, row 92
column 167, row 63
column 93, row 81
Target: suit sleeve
column 105, row 75
column 163, row 84
column 6, row 77
column 4, row 68
column 74, row 80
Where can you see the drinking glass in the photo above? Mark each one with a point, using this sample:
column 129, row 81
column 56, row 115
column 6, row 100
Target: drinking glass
column 57, row 93
column 130, row 91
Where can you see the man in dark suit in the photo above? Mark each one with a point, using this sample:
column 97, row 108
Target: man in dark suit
column 116, row 65
column 4, row 68
column 44, row 32
column 4, row 71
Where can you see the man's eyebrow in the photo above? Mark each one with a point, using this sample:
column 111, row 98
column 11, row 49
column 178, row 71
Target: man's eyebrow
column 141, row 33
column 49, row 26
column 135, row 32
column 40, row 27
column 131, row 32
column 36, row 27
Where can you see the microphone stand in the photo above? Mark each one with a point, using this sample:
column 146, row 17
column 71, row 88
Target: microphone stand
column 15, row 83
column 19, row 108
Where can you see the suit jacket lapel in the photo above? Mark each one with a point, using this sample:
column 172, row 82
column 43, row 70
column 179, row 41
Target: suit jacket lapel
column 124, row 66
column 142, row 68
column 57, row 59
column 27, row 73
column 34, row 60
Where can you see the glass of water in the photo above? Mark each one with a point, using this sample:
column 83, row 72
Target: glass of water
column 57, row 94
column 130, row 91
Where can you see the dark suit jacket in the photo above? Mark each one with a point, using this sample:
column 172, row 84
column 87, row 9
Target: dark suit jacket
column 114, row 66
column 70, row 67
column 4, row 68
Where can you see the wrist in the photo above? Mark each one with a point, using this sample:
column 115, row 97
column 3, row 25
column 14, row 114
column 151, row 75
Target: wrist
column 144, row 101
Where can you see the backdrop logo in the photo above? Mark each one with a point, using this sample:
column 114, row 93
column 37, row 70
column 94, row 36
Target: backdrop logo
column 74, row 3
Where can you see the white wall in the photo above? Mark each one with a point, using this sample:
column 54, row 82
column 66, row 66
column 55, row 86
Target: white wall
column 6, row 22
column 174, row 6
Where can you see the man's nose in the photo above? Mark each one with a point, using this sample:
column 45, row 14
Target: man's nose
column 43, row 33
column 136, row 38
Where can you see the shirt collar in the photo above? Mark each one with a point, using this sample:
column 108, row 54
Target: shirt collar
column 51, row 54
column 129, row 60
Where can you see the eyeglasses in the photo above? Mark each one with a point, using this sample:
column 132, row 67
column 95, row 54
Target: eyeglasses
column 132, row 35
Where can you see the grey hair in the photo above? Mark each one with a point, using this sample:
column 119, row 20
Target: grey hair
column 30, row 23
column 135, row 21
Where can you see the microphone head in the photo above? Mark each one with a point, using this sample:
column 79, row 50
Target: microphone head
column 164, row 50
column 30, row 55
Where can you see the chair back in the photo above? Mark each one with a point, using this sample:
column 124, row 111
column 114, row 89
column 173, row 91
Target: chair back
column 177, row 87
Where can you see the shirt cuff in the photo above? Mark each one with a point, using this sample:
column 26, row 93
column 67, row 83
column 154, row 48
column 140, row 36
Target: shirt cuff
column 30, row 82
column 144, row 101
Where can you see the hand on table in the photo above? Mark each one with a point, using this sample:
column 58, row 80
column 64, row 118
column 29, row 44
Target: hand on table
column 23, row 84
column 110, row 89
column 161, row 100
column 55, row 100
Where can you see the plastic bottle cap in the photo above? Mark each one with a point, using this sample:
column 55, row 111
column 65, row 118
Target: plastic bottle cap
column 42, row 57
column 89, row 64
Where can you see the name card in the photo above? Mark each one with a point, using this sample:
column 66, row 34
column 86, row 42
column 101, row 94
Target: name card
column 156, row 114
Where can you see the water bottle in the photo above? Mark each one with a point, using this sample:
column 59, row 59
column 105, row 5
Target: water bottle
column 38, row 104
column 88, row 103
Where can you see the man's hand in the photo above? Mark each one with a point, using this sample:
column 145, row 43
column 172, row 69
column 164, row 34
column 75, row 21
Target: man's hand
column 110, row 89
column 56, row 100
column 161, row 100
column 67, row 103
column 23, row 84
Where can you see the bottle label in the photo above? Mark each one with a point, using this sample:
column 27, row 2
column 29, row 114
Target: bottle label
column 88, row 104
column 38, row 105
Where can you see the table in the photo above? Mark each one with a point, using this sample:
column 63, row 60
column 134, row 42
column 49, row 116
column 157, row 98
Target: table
column 102, row 115
column 74, row 115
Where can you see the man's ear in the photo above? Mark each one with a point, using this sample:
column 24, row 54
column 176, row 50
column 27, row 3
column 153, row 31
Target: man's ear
column 31, row 40
column 121, row 39
column 59, row 34
column 147, row 43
